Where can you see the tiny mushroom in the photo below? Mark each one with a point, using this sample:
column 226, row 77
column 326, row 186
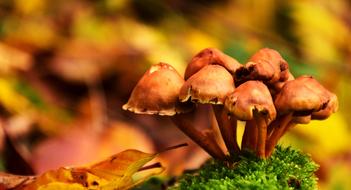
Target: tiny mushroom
column 211, row 85
column 266, row 65
column 157, row 93
column 211, row 56
column 252, row 101
column 300, row 97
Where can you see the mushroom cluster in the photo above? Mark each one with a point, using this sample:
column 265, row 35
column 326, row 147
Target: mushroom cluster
column 263, row 93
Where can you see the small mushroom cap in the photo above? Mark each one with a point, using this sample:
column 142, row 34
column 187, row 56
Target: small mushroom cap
column 210, row 85
column 157, row 92
column 211, row 56
column 331, row 108
column 266, row 65
column 251, row 97
column 302, row 96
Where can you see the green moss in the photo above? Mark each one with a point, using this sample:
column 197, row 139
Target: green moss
column 285, row 169
column 153, row 183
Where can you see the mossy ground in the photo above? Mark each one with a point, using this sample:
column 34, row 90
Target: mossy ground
column 285, row 169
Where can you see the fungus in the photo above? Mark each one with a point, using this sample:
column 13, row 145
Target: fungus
column 209, row 80
column 211, row 85
column 252, row 101
column 157, row 94
column 300, row 97
column 211, row 56
column 266, row 65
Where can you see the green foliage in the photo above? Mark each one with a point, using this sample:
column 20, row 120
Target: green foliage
column 285, row 169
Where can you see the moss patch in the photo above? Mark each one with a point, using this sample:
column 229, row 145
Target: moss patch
column 285, row 169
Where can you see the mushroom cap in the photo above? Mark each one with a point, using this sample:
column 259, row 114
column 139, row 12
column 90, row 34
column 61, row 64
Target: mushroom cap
column 211, row 56
column 266, row 65
column 251, row 97
column 331, row 108
column 301, row 96
column 157, row 92
column 210, row 85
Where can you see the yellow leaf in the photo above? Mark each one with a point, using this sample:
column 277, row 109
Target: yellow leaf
column 61, row 186
column 119, row 168
column 10, row 99
column 115, row 172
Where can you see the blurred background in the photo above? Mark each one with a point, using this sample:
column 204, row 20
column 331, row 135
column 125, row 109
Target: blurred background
column 67, row 67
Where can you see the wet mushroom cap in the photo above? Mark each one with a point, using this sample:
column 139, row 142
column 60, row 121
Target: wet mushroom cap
column 249, row 97
column 157, row 92
column 266, row 65
column 331, row 108
column 302, row 96
column 210, row 85
column 211, row 56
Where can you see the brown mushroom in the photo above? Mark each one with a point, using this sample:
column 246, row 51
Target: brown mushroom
column 211, row 85
column 331, row 108
column 252, row 101
column 266, row 65
column 157, row 93
column 211, row 56
column 299, row 97
column 302, row 95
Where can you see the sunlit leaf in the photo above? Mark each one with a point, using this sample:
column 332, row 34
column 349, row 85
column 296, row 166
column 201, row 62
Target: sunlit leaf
column 116, row 172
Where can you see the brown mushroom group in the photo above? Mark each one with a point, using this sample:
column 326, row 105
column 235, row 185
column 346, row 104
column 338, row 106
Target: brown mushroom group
column 262, row 92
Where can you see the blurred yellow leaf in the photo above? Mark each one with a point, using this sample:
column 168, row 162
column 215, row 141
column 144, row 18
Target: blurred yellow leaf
column 39, row 32
column 316, row 27
column 30, row 6
column 198, row 40
column 10, row 99
column 115, row 172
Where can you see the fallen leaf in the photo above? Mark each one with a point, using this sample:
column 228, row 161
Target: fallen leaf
column 119, row 171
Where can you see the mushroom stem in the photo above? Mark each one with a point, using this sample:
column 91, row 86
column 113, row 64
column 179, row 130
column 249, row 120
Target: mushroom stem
column 272, row 126
column 183, row 122
column 277, row 133
column 262, row 135
column 290, row 125
column 228, row 128
column 250, row 136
